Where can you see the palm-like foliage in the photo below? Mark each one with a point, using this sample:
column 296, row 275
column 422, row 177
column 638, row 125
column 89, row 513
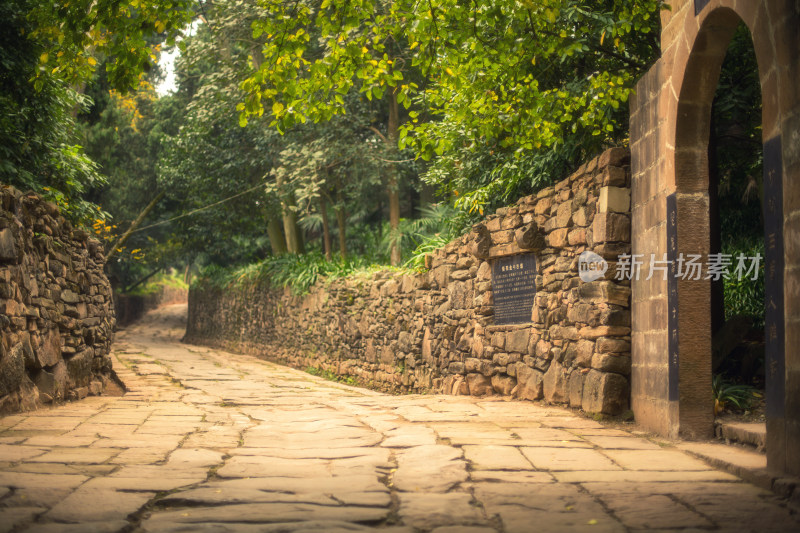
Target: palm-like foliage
column 736, row 395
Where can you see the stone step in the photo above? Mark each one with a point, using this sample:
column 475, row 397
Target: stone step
column 753, row 433
column 746, row 464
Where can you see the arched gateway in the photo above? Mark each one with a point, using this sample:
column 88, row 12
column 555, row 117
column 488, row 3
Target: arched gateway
column 670, row 121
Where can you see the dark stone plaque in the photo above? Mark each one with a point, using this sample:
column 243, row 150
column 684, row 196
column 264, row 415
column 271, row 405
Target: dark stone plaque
column 774, row 349
column 699, row 5
column 514, row 286
column 672, row 298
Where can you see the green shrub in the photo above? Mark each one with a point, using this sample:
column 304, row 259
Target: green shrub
column 745, row 296
column 727, row 394
column 172, row 278
column 296, row 271
column 437, row 226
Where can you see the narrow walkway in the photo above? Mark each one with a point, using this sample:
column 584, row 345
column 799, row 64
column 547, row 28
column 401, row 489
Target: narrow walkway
column 215, row 442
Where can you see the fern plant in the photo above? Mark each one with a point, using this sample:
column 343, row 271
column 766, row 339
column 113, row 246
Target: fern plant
column 438, row 225
column 737, row 395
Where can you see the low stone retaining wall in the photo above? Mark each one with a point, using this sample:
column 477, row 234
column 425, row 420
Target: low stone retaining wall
column 57, row 314
column 436, row 331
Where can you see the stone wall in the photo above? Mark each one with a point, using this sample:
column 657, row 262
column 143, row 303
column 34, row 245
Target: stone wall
column 434, row 331
column 57, row 313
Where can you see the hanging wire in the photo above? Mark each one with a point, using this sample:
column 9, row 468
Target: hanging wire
column 192, row 212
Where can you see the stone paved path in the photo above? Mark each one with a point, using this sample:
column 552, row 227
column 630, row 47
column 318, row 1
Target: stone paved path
column 214, row 442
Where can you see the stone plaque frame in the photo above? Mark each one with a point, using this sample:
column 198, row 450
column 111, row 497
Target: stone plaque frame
column 672, row 298
column 774, row 350
column 514, row 288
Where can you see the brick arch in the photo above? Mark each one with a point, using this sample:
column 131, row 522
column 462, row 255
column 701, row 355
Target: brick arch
column 670, row 122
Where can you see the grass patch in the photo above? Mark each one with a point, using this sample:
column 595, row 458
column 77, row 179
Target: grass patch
column 298, row 272
column 330, row 376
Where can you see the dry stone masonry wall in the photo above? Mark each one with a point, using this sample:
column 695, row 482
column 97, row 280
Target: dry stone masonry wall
column 436, row 331
column 56, row 311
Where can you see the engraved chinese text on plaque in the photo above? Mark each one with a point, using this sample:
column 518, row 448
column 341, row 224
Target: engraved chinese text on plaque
column 514, row 286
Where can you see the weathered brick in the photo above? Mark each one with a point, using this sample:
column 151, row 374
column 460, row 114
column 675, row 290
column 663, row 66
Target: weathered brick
column 611, row 227
column 614, row 199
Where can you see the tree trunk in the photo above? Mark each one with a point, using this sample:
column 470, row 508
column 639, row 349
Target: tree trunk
column 121, row 241
column 392, row 136
column 294, row 244
column 294, row 241
column 341, row 222
column 299, row 235
column 275, row 233
column 141, row 280
column 326, row 230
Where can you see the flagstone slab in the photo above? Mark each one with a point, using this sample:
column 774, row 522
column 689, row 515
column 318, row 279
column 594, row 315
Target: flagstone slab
column 511, row 476
column 91, row 504
column 325, row 485
column 311, row 453
column 140, row 456
column 104, row 431
column 464, row 529
column 37, row 497
column 570, row 422
column 359, row 465
column 408, row 436
column 309, row 442
column 310, row 526
column 75, row 455
column 435, row 468
column 69, row 441
column 637, row 511
column 568, row 459
column 11, row 454
column 49, row 423
column 14, row 517
column 621, row 442
column 42, row 468
column 665, row 460
column 430, row 510
column 243, row 466
column 114, row 526
column 545, row 507
column 15, row 440
column 496, row 458
column 170, row 441
column 520, row 519
column 208, row 496
column 640, row 476
column 544, row 434
column 270, row 512
column 214, row 439
column 50, row 481
column 140, row 484
column 195, row 457
column 162, row 470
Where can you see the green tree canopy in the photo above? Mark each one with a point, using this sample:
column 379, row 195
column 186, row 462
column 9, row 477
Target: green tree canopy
column 49, row 50
column 495, row 90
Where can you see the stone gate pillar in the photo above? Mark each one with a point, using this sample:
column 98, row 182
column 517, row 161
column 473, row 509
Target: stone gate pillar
column 670, row 121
